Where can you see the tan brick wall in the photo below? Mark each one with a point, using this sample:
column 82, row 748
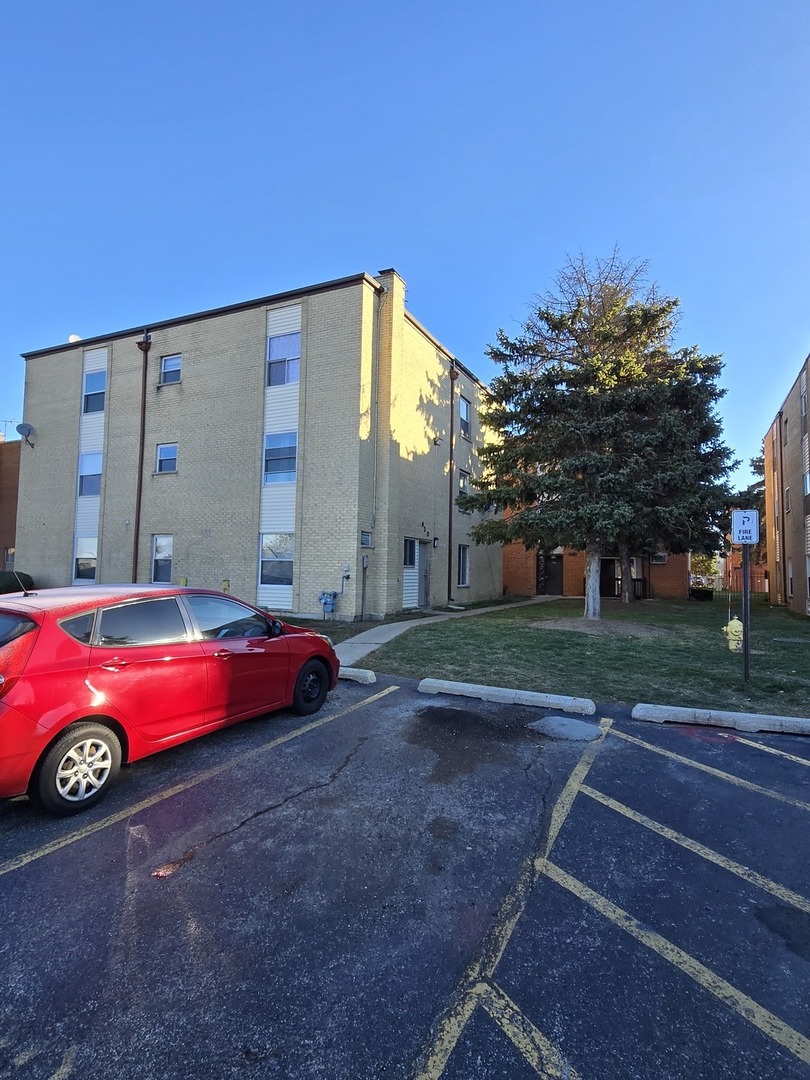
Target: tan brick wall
column 373, row 395
column 49, row 473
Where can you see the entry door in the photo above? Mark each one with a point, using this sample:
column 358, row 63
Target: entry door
column 550, row 574
column 607, row 578
column 424, row 574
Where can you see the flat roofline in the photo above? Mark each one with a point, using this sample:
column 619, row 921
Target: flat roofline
column 453, row 359
column 211, row 313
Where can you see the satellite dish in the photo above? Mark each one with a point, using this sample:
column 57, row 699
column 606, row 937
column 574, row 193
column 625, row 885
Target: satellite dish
column 26, row 430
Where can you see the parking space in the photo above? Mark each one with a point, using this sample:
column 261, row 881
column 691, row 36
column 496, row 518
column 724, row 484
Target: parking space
column 279, row 899
column 662, row 929
column 418, row 887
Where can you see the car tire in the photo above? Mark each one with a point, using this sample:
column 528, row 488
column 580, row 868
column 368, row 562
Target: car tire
column 78, row 770
column 311, row 688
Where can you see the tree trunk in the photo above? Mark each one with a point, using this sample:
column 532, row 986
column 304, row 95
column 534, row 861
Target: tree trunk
column 628, row 590
column 593, row 566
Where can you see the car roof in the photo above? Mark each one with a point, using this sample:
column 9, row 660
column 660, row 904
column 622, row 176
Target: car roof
column 77, row 598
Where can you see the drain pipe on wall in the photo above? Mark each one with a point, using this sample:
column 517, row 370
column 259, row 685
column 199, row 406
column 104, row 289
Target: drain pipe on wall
column 450, row 489
column 145, row 344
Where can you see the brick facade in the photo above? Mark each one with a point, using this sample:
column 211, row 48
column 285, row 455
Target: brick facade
column 371, row 415
column 664, row 580
column 9, row 482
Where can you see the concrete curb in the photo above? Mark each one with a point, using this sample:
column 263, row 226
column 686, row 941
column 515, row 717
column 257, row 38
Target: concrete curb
column 358, row 675
column 506, row 696
column 660, row 714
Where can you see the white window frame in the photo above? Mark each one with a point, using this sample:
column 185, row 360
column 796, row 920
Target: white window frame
column 464, row 417
column 289, row 364
column 93, row 395
column 463, row 575
column 166, row 542
column 87, row 463
column 409, row 552
column 162, row 455
column 273, row 441
column 790, row 579
column 171, row 369
column 272, row 556
column 85, row 548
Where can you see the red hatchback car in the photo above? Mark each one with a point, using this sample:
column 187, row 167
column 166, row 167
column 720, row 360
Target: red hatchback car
column 93, row 676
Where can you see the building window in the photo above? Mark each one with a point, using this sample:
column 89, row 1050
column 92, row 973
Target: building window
column 463, row 565
column 162, row 558
column 463, row 485
column 171, row 368
column 807, row 573
column 166, row 457
column 8, row 558
column 787, row 500
column 409, row 553
column 89, row 474
column 464, row 416
column 279, row 457
column 283, row 359
column 807, row 483
column 277, row 559
column 95, row 388
column 84, row 567
column 365, row 539
column 790, row 578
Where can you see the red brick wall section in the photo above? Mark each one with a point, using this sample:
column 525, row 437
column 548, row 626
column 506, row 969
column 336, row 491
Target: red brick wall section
column 9, row 482
column 519, row 570
column 670, row 580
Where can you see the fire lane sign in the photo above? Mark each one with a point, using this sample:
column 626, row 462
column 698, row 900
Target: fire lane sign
column 745, row 526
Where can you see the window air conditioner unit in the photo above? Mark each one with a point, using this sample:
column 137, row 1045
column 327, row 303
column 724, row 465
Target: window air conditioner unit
column 658, row 559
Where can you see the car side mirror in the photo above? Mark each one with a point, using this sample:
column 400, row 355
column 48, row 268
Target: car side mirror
column 276, row 628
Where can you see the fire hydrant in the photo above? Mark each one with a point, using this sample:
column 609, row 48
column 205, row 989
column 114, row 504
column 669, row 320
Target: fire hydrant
column 734, row 633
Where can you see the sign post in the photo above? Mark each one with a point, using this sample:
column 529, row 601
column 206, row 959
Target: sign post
column 745, row 531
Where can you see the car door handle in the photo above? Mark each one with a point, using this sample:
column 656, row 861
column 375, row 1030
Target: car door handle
column 115, row 665
column 223, row 654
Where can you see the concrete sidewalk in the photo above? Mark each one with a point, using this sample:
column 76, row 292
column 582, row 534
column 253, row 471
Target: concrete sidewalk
column 354, row 649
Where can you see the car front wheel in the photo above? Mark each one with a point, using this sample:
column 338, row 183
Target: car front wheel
column 311, row 688
column 78, row 770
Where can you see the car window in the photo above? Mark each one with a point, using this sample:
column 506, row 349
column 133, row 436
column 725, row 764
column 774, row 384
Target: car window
column 13, row 626
column 220, row 618
column 80, row 626
column 148, row 622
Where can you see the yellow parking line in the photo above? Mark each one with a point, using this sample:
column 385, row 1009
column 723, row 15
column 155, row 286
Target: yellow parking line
column 707, row 979
column 782, row 893
column 712, row 772
column 771, row 750
column 531, row 1043
column 450, row 1025
column 88, row 830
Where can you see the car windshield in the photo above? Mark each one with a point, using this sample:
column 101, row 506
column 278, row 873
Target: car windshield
column 13, row 626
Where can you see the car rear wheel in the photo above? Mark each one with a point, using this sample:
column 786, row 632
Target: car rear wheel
column 311, row 688
column 78, row 770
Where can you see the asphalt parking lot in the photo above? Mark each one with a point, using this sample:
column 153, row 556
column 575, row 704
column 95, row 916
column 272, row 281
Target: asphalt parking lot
column 409, row 886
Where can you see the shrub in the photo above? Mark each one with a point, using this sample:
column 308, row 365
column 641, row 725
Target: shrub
column 15, row 582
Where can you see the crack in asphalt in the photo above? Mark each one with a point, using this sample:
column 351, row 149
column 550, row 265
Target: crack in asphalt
column 168, row 869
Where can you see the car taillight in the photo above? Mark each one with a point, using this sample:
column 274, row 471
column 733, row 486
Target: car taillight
column 13, row 658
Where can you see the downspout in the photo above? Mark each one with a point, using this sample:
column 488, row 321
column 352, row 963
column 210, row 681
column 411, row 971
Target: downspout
column 145, row 344
column 450, row 489
column 780, row 494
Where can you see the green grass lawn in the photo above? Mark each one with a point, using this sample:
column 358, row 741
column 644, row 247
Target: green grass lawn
column 689, row 663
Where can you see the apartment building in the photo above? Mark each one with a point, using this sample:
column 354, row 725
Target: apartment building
column 787, row 498
column 301, row 444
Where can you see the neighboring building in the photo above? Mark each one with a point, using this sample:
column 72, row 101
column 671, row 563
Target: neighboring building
column 562, row 573
column 787, row 500
column 9, row 481
column 278, row 448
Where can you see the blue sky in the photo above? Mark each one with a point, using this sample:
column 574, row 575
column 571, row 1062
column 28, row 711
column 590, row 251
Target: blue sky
column 164, row 158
